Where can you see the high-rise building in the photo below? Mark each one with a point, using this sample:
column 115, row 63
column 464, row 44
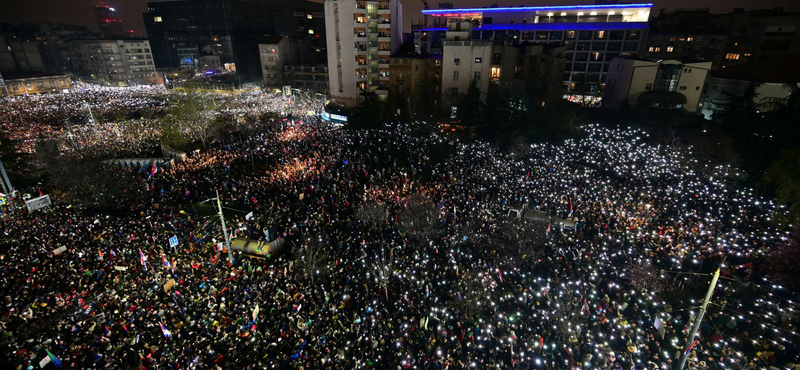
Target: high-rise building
column 108, row 21
column 122, row 62
column 361, row 37
column 593, row 35
column 230, row 30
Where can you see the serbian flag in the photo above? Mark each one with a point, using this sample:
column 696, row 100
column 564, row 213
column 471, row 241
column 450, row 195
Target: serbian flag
column 143, row 259
column 107, row 331
column 165, row 261
column 691, row 347
column 585, row 306
column 164, row 330
column 153, row 170
column 219, row 247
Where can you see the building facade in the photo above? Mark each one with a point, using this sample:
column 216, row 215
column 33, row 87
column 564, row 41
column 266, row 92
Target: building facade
column 408, row 74
column 307, row 77
column 44, row 83
column 127, row 62
column 655, row 83
column 278, row 52
column 361, row 36
column 20, row 57
column 501, row 66
column 770, row 74
column 724, row 39
column 593, row 35
column 230, row 29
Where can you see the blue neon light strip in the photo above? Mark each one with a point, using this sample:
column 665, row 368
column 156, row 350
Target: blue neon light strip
column 535, row 8
column 563, row 26
column 434, row 29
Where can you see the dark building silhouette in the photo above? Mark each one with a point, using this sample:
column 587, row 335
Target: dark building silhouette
column 230, row 30
column 108, row 21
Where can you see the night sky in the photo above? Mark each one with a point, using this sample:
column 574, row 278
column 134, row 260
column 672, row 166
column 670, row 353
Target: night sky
column 81, row 11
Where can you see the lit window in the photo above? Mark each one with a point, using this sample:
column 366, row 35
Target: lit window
column 731, row 56
column 309, row 16
column 651, row 49
column 690, row 39
column 669, row 49
column 310, row 32
column 157, row 19
column 747, row 54
column 495, row 73
column 478, row 59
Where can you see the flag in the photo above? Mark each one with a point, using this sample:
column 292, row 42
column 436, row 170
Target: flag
column 56, row 361
column 219, row 247
column 548, row 226
column 164, row 330
column 153, row 170
column 107, row 331
column 143, row 259
column 165, row 261
column 585, row 306
column 570, row 207
column 691, row 347
column 528, row 175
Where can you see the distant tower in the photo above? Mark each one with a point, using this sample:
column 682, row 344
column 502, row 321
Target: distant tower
column 108, row 21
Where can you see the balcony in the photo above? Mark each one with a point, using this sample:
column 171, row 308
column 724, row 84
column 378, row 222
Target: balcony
column 384, row 25
column 384, row 52
column 384, row 11
column 360, row 37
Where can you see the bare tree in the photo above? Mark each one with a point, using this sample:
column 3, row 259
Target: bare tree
column 419, row 218
column 566, row 314
column 383, row 268
column 80, row 176
column 197, row 114
column 312, row 257
column 784, row 259
column 646, row 277
column 520, row 242
column 471, row 294
column 372, row 214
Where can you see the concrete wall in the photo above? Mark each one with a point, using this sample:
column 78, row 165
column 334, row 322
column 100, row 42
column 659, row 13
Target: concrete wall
column 339, row 30
column 466, row 52
column 630, row 78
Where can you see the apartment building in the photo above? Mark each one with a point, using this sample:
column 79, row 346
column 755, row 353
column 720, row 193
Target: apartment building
column 361, row 36
column 593, row 36
column 121, row 62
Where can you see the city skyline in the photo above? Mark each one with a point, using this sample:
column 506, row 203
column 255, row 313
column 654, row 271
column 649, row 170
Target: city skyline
column 81, row 12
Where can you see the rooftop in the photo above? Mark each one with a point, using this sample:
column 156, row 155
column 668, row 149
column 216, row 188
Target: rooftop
column 34, row 75
column 607, row 7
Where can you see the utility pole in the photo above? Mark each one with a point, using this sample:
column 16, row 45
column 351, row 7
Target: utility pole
column 224, row 230
column 699, row 318
column 7, row 188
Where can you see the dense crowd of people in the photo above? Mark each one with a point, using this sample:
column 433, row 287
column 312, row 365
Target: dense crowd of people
column 426, row 282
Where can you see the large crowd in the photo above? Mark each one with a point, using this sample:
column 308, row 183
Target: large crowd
column 442, row 294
